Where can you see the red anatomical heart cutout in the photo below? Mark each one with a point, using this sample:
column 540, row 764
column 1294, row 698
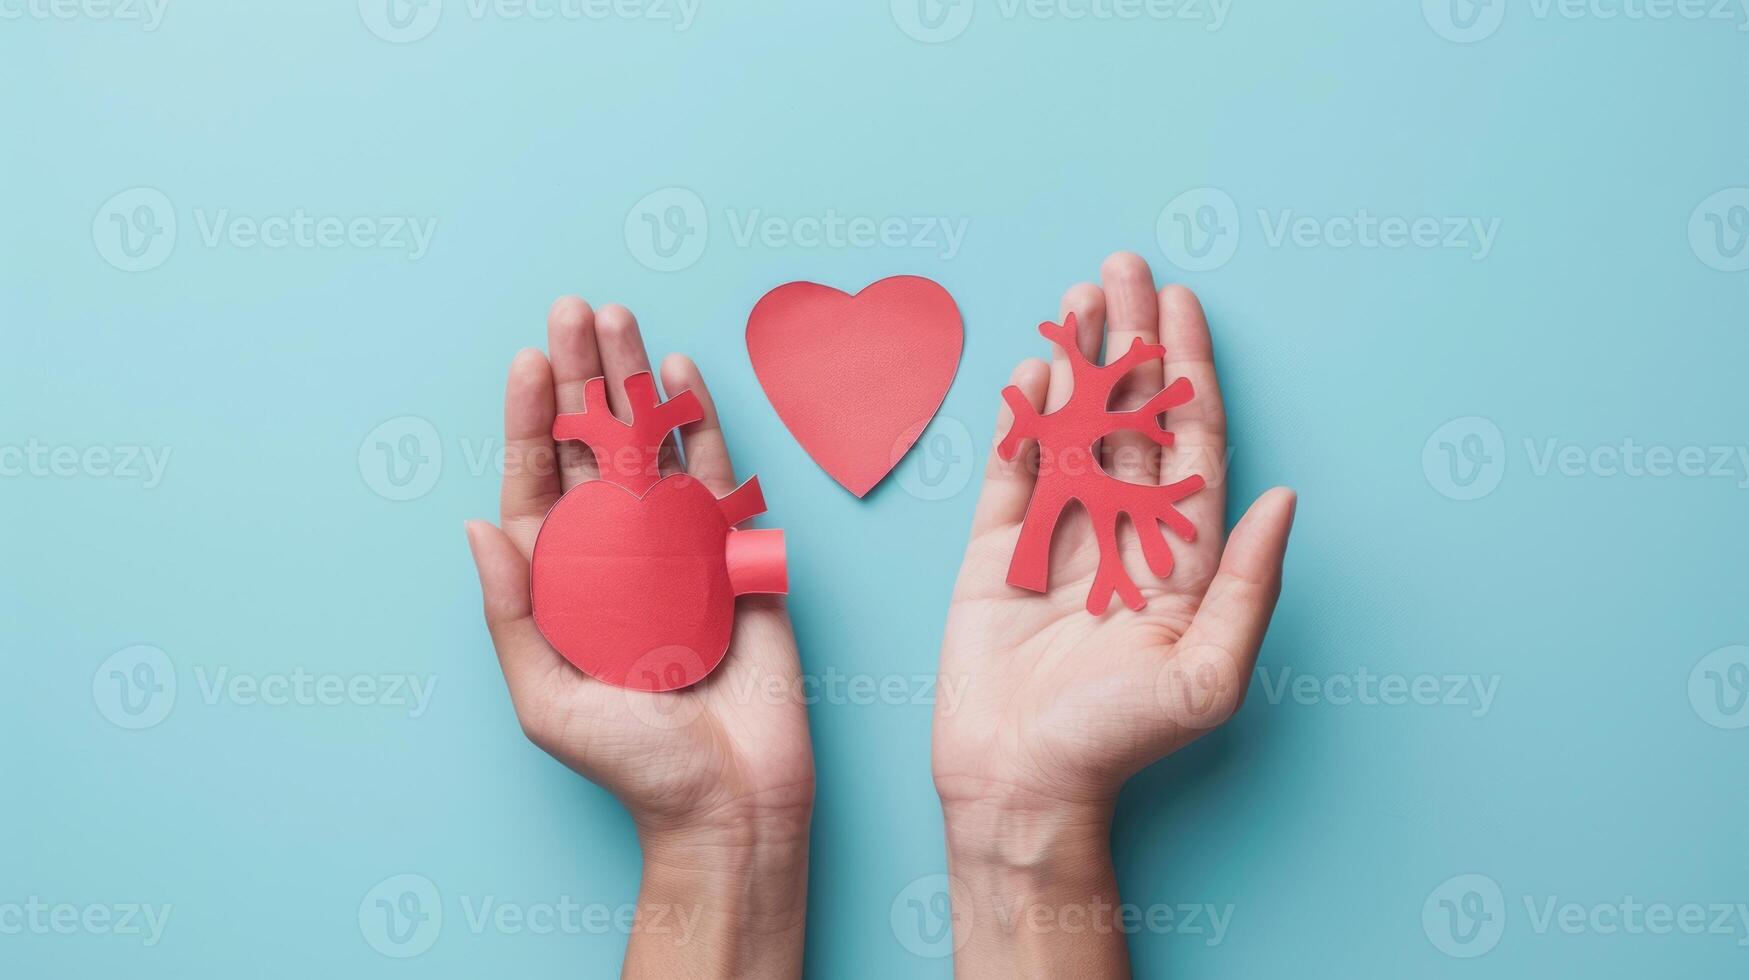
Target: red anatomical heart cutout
column 1066, row 439
column 856, row 379
column 634, row 576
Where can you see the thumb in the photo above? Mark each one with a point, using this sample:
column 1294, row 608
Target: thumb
column 522, row 651
column 1220, row 647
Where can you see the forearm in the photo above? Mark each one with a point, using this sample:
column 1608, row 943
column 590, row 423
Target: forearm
column 1033, row 890
column 722, row 902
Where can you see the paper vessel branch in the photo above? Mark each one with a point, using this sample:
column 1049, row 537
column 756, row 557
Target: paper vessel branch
column 1076, row 428
column 628, row 453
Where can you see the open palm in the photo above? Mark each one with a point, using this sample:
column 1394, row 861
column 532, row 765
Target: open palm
column 731, row 748
column 1056, row 704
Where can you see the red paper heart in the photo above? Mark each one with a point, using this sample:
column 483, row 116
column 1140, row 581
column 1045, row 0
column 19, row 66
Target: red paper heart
column 856, row 378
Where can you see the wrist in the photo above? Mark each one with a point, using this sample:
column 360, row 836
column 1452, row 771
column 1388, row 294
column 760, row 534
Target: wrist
column 1024, row 836
column 1033, row 887
column 743, row 857
column 731, row 892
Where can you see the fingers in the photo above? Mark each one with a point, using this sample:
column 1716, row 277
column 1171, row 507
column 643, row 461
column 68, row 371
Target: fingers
column 1199, row 427
column 1008, row 483
column 1132, row 314
column 706, row 452
column 622, row 355
column 575, row 359
column 531, row 477
column 1087, row 302
column 1235, row 614
column 522, row 651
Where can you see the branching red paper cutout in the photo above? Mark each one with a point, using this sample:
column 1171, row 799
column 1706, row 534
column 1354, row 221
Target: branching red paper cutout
column 627, row 453
column 635, row 575
column 1076, row 428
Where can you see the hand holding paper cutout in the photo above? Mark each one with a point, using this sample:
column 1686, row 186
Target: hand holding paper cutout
column 1057, row 708
column 718, row 776
column 1069, row 437
column 635, row 575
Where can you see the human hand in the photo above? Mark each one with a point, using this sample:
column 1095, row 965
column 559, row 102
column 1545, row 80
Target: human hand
column 719, row 776
column 1059, row 707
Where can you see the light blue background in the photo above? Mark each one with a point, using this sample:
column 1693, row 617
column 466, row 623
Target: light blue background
column 1588, row 599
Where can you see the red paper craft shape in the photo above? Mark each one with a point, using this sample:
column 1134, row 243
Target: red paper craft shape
column 856, row 378
column 635, row 575
column 1068, row 471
